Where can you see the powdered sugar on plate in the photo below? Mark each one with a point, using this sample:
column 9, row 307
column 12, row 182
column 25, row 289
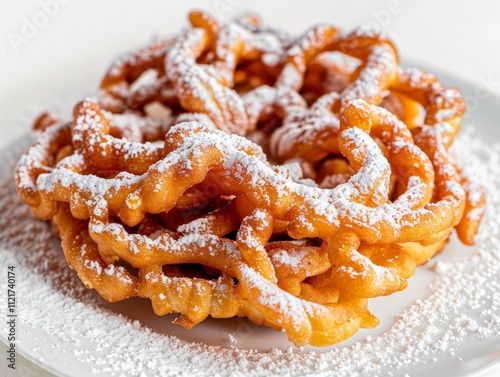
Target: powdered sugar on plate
column 66, row 327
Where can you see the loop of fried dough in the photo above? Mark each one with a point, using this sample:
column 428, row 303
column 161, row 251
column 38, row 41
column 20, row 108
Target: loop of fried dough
column 343, row 184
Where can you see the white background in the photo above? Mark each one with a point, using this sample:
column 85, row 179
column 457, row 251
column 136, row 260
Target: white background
column 65, row 57
column 73, row 46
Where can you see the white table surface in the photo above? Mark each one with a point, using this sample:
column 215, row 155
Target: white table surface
column 80, row 40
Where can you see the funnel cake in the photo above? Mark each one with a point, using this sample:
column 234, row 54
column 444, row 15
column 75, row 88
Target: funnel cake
column 261, row 190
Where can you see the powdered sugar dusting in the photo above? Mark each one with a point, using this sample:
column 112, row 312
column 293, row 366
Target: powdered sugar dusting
column 463, row 307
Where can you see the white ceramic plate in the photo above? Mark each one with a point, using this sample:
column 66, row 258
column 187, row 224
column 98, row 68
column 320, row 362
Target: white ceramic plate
column 69, row 331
